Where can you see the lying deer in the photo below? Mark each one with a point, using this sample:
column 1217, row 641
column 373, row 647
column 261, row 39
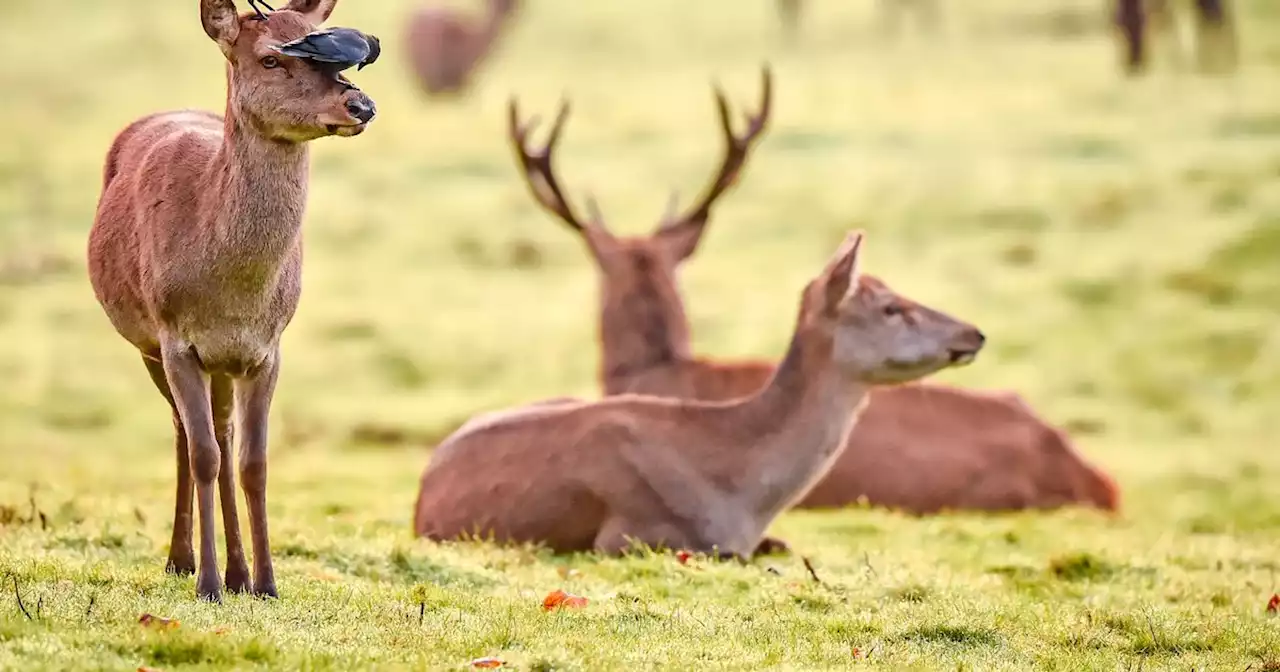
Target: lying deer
column 919, row 448
column 196, row 254
column 445, row 47
column 702, row 476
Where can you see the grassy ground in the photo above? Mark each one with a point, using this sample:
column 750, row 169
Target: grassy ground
column 1118, row 241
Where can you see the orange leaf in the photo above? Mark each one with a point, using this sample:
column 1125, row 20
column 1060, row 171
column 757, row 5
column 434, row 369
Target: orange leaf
column 683, row 557
column 559, row 598
column 857, row 652
column 488, row 662
column 144, row 668
column 221, row 630
column 152, row 621
column 1273, row 605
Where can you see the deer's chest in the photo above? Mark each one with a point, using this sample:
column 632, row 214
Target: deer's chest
column 233, row 322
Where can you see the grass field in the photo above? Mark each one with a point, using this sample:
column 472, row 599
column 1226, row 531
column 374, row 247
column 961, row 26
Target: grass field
column 1118, row 241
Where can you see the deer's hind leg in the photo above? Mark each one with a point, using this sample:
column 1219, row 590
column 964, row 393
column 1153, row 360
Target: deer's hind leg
column 182, row 557
column 222, row 397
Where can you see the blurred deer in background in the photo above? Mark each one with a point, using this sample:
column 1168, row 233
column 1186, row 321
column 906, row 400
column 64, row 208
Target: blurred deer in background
column 196, row 256
column 1138, row 21
column 701, row 476
column 446, row 47
column 920, row 448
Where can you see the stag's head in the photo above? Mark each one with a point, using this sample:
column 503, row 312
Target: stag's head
column 283, row 98
column 878, row 336
column 639, row 270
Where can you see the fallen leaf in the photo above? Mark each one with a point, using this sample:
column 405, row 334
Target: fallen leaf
column 1273, row 605
column 683, row 557
column 565, row 571
column 153, row 621
column 144, row 668
column 221, row 630
column 558, row 598
column 488, row 662
column 857, row 653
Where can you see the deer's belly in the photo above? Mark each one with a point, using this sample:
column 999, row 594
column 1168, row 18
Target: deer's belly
column 234, row 347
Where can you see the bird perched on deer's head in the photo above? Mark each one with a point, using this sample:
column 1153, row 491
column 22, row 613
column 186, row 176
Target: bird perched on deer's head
column 334, row 49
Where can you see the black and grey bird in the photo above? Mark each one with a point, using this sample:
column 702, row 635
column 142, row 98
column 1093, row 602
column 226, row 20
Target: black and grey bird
column 334, row 49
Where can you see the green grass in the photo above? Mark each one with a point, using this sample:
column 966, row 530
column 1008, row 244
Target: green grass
column 1117, row 240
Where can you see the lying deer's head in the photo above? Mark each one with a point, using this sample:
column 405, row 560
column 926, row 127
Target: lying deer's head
column 283, row 98
column 877, row 335
column 639, row 273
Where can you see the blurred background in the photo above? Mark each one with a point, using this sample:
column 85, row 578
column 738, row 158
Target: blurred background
column 1114, row 229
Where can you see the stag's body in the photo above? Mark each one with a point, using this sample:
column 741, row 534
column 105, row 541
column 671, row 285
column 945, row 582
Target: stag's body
column 697, row 475
column 919, row 448
column 446, row 47
column 195, row 256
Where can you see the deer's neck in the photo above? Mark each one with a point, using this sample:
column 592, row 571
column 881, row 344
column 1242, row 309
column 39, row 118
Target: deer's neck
column 258, row 201
column 793, row 429
column 640, row 331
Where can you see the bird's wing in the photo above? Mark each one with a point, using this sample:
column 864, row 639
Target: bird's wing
column 325, row 46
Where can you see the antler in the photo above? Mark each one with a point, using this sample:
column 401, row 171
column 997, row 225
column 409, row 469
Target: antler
column 737, row 147
column 538, row 171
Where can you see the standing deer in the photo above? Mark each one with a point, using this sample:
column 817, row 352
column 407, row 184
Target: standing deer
column 702, row 476
column 445, row 47
column 920, row 448
column 1215, row 36
column 196, row 255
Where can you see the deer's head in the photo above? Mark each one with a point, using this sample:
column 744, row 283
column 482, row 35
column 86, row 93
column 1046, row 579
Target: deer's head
column 878, row 336
column 639, row 273
column 283, row 98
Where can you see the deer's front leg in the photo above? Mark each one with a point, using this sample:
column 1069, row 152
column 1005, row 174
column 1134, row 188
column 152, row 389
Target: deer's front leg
column 190, row 388
column 253, row 404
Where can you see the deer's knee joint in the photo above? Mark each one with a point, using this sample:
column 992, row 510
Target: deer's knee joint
column 205, row 462
column 253, row 470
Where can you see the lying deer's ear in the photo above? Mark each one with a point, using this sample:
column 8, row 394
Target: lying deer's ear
column 316, row 11
column 842, row 270
column 221, row 22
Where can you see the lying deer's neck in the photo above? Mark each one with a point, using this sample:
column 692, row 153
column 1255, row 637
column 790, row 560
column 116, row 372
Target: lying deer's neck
column 259, row 194
column 641, row 330
column 793, row 429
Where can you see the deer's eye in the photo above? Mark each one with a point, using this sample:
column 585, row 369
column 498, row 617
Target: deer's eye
column 893, row 310
column 270, row 62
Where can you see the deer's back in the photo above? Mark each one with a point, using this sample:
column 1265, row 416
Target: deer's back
column 442, row 48
column 697, row 379
column 926, row 448
column 151, row 184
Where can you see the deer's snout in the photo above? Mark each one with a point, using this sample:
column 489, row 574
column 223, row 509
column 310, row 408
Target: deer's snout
column 966, row 346
column 361, row 107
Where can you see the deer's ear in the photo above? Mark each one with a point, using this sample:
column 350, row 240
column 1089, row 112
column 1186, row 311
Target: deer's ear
column 316, row 11
column 681, row 239
column 221, row 22
column 841, row 274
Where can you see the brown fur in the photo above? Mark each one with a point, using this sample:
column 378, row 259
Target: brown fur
column 196, row 255
column 445, row 47
column 696, row 475
column 919, row 448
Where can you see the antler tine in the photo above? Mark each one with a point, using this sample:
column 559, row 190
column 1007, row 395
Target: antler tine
column 539, row 173
column 737, row 147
